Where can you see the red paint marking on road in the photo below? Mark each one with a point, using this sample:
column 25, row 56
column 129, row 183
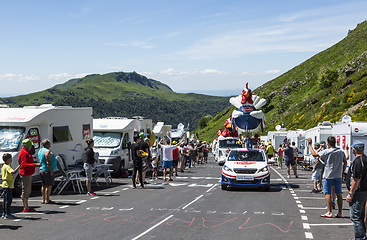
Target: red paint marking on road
column 123, row 220
column 216, row 221
column 103, row 215
column 171, row 222
column 242, row 226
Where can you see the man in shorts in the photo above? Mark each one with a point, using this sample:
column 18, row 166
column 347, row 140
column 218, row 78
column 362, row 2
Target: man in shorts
column 316, row 171
column 289, row 160
column 335, row 164
column 270, row 151
column 167, row 157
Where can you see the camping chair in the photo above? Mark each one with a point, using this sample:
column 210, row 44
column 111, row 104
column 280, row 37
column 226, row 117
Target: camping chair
column 102, row 169
column 68, row 177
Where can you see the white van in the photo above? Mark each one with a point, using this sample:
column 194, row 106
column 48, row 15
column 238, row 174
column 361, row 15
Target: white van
column 277, row 137
column 67, row 128
column 347, row 132
column 319, row 133
column 112, row 138
column 179, row 133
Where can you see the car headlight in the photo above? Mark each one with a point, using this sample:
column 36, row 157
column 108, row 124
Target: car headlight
column 264, row 169
column 227, row 168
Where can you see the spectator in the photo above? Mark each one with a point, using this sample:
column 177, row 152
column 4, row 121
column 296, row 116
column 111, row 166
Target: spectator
column 49, row 165
column 26, row 170
column 89, row 161
column 167, row 158
column 205, row 151
column 295, row 152
column 280, row 156
column 8, row 186
column 270, row 150
column 335, row 164
column 357, row 186
column 137, row 157
column 175, row 157
column 317, row 167
column 289, row 160
column 182, row 158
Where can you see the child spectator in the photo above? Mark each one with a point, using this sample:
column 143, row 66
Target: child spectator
column 155, row 167
column 8, row 186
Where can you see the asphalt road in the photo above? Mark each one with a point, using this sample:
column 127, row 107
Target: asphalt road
column 193, row 206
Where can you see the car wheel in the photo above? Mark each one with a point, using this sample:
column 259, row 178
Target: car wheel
column 18, row 186
column 221, row 164
column 224, row 187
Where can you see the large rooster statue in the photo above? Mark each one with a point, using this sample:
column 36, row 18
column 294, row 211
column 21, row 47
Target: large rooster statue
column 248, row 117
column 229, row 130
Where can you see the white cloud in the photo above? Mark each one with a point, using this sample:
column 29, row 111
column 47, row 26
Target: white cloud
column 138, row 44
column 56, row 77
column 31, row 78
column 8, row 75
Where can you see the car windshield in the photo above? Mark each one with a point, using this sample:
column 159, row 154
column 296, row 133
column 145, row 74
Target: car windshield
column 229, row 143
column 106, row 139
column 244, row 155
column 10, row 138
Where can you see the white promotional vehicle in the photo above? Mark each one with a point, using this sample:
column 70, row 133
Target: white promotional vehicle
column 225, row 145
column 246, row 168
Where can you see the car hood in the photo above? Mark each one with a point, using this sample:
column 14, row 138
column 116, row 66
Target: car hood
column 245, row 164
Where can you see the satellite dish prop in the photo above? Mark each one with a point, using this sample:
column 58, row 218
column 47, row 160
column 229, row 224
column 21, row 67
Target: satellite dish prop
column 278, row 127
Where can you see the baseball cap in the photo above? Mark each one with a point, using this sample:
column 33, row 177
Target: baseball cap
column 316, row 144
column 27, row 143
column 358, row 145
column 322, row 142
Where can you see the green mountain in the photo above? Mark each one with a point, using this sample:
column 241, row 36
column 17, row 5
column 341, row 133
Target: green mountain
column 125, row 95
column 329, row 85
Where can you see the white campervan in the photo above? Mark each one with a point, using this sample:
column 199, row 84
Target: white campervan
column 298, row 137
column 112, row 138
column 277, row 137
column 179, row 133
column 319, row 133
column 347, row 132
column 66, row 128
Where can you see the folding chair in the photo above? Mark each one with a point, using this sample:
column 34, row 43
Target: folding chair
column 102, row 169
column 68, row 177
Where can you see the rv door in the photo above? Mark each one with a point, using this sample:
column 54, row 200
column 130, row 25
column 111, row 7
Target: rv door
column 33, row 134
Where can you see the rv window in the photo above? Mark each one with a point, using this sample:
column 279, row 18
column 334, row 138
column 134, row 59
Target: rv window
column 107, row 139
column 125, row 141
column 10, row 138
column 61, row 134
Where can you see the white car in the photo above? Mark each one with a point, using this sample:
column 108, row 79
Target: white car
column 224, row 147
column 246, row 168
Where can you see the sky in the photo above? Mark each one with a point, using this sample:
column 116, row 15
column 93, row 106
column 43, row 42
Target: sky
column 204, row 46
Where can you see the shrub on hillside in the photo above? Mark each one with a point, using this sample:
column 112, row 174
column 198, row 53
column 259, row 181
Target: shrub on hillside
column 327, row 78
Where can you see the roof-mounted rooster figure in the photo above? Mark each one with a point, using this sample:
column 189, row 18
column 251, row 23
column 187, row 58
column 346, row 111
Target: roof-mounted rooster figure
column 248, row 117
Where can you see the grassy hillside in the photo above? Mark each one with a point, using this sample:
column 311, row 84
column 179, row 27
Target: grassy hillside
column 326, row 87
column 126, row 95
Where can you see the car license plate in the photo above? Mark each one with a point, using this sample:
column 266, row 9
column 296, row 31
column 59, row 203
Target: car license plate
column 244, row 178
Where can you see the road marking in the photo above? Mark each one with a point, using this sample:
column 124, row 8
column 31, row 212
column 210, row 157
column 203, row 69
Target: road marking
column 313, row 208
column 306, row 226
column 300, row 206
column 124, row 189
column 126, row 209
column 94, row 198
column 198, row 185
column 331, row 224
column 182, row 177
column 302, row 211
column 298, row 202
column 304, row 218
column 65, row 206
column 308, row 235
column 82, row 201
column 177, row 184
column 294, row 195
column 319, row 198
column 193, row 201
column 150, row 229
column 211, row 188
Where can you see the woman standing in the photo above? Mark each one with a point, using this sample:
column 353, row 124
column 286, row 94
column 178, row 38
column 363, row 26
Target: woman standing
column 26, row 170
column 89, row 160
column 49, row 165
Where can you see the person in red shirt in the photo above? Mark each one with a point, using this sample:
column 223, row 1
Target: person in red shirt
column 175, row 157
column 26, row 170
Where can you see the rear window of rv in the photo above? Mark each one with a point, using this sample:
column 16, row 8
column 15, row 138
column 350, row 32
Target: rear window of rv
column 61, row 134
column 10, row 138
column 106, row 139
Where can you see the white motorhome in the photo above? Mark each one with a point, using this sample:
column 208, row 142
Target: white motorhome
column 67, row 128
column 160, row 130
column 112, row 138
column 277, row 137
column 179, row 133
column 298, row 137
column 319, row 133
column 347, row 132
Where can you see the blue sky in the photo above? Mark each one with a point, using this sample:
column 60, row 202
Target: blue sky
column 203, row 46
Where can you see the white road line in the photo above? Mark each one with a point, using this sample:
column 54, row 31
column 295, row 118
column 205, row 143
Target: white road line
column 211, row 188
column 313, row 198
column 302, row 211
column 304, row 218
column 300, row 206
column 82, row 201
column 124, row 189
column 308, row 235
column 313, row 208
column 94, row 198
column 298, row 201
column 65, row 206
column 150, row 229
column 306, row 226
column 331, row 224
column 193, row 201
